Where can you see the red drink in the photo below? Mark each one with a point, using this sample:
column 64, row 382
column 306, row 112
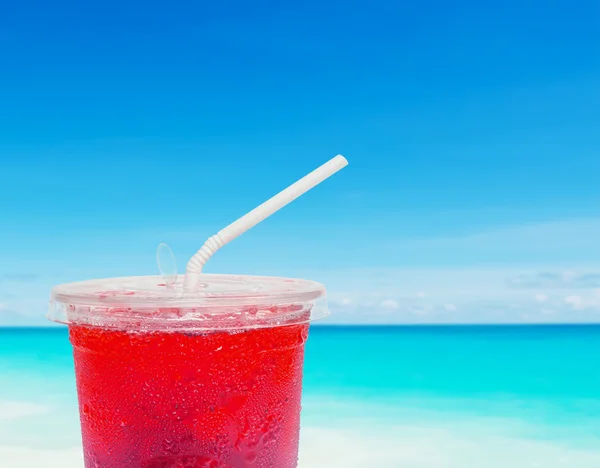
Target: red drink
column 206, row 400
column 217, row 392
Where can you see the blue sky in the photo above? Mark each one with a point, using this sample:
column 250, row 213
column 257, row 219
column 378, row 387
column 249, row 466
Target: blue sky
column 471, row 131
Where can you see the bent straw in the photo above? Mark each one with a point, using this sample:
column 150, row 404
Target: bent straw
column 258, row 214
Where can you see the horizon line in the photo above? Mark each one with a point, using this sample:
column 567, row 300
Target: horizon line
column 376, row 325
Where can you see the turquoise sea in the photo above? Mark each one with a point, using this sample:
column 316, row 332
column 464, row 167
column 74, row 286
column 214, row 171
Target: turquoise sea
column 375, row 397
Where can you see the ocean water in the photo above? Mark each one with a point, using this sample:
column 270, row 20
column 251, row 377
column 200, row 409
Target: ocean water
column 374, row 397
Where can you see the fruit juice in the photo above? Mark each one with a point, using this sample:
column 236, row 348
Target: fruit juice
column 209, row 399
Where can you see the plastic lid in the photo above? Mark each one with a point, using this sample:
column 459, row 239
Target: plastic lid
column 219, row 301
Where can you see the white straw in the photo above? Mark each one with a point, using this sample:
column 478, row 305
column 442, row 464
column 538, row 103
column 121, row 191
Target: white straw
column 258, row 214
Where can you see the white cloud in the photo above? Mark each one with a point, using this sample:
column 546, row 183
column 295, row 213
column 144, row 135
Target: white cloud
column 572, row 241
column 421, row 310
column 588, row 302
column 553, row 279
column 341, row 302
column 410, row 295
column 569, row 276
column 444, row 266
column 390, row 304
column 574, row 301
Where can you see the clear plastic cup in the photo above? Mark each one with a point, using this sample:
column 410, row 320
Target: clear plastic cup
column 204, row 379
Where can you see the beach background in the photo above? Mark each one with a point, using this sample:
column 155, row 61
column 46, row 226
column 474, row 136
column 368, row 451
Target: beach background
column 385, row 397
column 460, row 248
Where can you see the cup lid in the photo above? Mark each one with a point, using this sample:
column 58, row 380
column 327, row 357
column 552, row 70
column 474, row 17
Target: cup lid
column 245, row 300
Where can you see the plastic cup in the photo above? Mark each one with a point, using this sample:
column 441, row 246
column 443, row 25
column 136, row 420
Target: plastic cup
column 205, row 379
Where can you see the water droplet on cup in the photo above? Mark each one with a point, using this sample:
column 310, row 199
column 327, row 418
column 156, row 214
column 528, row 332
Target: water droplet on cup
column 167, row 266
